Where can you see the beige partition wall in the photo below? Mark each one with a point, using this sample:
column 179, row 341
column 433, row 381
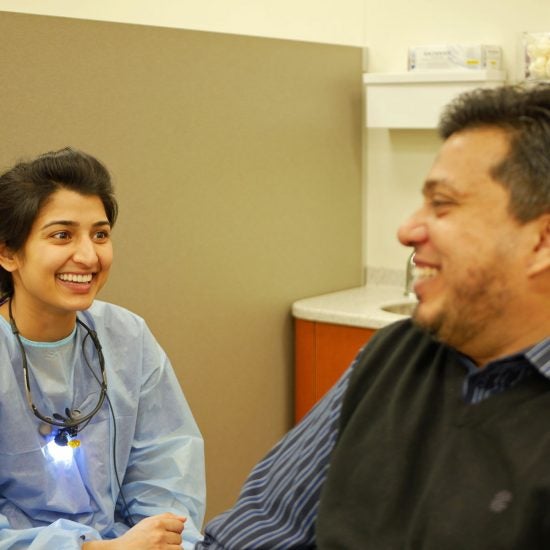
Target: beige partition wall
column 237, row 163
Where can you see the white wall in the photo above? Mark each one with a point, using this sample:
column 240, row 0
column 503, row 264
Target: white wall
column 397, row 161
column 326, row 21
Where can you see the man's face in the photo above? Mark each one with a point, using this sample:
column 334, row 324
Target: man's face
column 469, row 249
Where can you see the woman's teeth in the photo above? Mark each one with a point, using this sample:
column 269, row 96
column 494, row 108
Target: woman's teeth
column 74, row 278
column 424, row 272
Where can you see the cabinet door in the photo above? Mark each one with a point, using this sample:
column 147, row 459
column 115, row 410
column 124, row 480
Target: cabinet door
column 323, row 352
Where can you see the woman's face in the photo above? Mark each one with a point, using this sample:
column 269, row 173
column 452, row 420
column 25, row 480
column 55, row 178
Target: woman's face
column 66, row 258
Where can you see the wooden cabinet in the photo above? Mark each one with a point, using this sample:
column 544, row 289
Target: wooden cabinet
column 323, row 351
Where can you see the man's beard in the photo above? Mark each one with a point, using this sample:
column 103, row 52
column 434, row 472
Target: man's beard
column 469, row 308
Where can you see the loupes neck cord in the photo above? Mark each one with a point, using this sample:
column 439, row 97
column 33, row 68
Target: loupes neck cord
column 68, row 425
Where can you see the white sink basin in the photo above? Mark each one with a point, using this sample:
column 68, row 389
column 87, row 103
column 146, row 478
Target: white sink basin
column 406, row 307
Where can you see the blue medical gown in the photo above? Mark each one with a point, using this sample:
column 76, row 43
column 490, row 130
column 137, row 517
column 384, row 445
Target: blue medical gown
column 46, row 503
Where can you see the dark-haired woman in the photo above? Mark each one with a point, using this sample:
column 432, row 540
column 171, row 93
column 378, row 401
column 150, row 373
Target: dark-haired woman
column 98, row 447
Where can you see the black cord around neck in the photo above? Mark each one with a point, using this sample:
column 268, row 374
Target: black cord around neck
column 58, row 419
column 81, row 422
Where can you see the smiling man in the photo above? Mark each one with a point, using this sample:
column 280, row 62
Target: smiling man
column 478, row 254
column 437, row 436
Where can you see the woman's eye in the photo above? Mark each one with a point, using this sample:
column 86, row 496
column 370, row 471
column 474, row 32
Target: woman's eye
column 61, row 235
column 101, row 235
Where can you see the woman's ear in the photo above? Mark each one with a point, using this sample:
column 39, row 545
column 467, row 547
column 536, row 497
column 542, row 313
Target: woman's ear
column 541, row 253
column 7, row 258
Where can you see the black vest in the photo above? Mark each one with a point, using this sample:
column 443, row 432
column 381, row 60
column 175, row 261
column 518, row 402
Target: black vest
column 415, row 467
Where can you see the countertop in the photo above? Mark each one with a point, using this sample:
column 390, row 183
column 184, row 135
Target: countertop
column 358, row 307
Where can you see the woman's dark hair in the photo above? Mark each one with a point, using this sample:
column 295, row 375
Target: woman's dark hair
column 25, row 188
column 523, row 112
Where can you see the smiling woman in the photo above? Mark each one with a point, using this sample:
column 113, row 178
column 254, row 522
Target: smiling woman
column 64, row 263
column 76, row 371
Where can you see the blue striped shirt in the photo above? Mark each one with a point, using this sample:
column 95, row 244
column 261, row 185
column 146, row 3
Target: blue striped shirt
column 278, row 505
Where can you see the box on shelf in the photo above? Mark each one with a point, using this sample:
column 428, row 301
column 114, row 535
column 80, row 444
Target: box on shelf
column 455, row 57
column 535, row 56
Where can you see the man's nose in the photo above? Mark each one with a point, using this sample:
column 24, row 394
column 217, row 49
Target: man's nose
column 413, row 230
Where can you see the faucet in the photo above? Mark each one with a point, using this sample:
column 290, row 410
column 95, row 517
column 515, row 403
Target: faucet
column 409, row 277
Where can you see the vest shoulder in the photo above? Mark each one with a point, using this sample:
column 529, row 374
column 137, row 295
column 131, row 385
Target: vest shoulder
column 396, row 352
column 402, row 337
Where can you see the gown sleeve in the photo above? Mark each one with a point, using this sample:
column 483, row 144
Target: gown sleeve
column 62, row 535
column 165, row 470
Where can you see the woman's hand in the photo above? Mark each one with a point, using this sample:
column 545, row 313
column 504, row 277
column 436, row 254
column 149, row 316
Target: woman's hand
column 162, row 532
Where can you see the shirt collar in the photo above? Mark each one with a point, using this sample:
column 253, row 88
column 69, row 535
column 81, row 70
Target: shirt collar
column 539, row 356
column 504, row 373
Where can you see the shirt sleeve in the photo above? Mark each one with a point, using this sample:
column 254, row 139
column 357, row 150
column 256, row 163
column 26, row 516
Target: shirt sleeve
column 277, row 507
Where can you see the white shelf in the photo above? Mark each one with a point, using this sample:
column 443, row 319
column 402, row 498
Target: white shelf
column 415, row 99
column 466, row 75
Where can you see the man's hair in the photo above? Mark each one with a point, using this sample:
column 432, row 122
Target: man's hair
column 25, row 188
column 523, row 113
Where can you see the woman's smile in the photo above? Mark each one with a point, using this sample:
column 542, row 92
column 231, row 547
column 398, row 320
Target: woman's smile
column 67, row 256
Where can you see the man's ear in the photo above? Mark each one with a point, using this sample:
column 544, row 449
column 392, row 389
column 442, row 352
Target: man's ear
column 7, row 258
column 541, row 253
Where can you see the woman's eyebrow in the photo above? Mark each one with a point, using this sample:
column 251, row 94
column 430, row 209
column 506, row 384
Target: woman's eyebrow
column 70, row 223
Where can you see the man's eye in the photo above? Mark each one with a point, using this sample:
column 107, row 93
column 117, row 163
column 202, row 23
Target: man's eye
column 439, row 202
column 101, row 235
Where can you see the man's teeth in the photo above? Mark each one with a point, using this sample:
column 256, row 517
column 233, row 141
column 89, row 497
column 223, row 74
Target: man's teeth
column 74, row 278
column 424, row 272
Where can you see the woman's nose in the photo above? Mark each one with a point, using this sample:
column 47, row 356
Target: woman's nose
column 412, row 231
column 85, row 252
